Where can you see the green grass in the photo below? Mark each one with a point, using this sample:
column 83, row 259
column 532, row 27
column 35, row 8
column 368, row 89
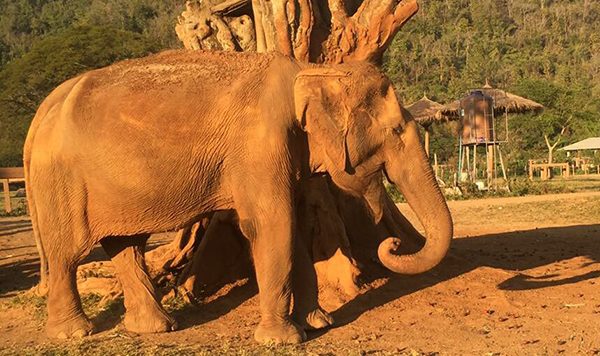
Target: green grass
column 34, row 304
column 519, row 187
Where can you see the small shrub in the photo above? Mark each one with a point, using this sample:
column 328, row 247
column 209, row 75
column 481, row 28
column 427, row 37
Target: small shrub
column 394, row 193
column 31, row 302
column 19, row 210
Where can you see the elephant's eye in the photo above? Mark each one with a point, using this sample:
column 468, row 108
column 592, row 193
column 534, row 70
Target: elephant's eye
column 397, row 130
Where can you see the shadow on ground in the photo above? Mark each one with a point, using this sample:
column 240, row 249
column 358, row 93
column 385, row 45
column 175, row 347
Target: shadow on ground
column 12, row 227
column 512, row 251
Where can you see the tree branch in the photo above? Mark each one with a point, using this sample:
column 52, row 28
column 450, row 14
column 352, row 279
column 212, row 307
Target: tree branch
column 282, row 30
column 304, row 30
column 368, row 33
column 338, row 12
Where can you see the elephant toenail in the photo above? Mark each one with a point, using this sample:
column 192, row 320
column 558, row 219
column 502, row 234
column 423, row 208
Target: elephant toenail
column 80, row 334
column 62, row 335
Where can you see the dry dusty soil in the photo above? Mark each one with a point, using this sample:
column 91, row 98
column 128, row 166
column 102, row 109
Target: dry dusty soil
column 522, row 278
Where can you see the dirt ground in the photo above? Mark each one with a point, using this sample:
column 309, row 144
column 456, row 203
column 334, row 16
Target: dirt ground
column 522, row 278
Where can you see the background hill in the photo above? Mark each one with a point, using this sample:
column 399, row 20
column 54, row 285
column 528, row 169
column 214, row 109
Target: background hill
column 547, row 50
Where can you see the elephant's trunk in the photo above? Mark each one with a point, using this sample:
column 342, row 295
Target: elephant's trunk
column 409, row 169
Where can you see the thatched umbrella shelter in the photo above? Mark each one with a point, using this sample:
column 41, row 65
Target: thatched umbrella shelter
column 468, row 110
column 504, row 103
column 426, row 112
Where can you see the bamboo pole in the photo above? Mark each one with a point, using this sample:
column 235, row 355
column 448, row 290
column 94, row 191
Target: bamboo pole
column 490, row 164
column 6, row 188
column 427, row 138
column 474, row 162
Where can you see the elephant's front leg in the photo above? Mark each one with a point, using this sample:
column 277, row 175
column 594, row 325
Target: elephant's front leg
column 271, row 234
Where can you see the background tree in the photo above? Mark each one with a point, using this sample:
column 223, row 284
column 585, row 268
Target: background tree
column 450, row 47
column 25, row 81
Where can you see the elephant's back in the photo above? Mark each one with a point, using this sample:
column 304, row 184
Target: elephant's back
column 178, row 68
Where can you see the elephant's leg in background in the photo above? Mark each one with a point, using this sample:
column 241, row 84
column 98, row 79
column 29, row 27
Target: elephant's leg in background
column 144, row 314
column 271, row 238
column 307, row 311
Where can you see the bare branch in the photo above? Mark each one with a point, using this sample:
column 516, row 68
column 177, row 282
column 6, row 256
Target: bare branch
column 282, row 31
column 369, row 9
column 261, row 41
column 304, row 30
column 368, row 33
column 338, row 12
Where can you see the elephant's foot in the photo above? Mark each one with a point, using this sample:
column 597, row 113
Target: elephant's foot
column 73, row 328
column 283, row 332
column 149, row 319
column 314, row 320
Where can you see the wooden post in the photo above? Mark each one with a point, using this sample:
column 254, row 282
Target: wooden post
column 427, row 137
column 6, row 189
column 474, row 162
column 467, row 152
column 530, row 170
column 502, row 164
column 435, row 165
column 490, row 164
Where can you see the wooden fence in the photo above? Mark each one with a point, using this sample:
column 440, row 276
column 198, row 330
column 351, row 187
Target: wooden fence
column 8, row 175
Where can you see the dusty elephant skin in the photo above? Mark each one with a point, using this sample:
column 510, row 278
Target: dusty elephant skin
column 156, row 144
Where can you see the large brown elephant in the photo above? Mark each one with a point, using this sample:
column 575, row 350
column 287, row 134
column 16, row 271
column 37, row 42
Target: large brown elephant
column 158, row 143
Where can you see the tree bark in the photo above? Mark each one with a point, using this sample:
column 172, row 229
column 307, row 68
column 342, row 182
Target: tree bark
column 341, row 232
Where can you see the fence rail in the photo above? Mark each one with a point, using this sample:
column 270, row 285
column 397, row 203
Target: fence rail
column 7, row 175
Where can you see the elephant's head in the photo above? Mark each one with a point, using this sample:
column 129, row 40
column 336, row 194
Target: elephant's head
column 356, row 129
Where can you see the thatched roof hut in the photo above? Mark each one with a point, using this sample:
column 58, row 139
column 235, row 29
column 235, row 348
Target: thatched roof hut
column 426, row 111
column 504, row 102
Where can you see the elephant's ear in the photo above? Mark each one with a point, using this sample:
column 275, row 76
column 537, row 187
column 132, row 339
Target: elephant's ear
column 319, row 104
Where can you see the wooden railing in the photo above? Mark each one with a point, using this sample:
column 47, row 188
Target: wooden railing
column 8, row 175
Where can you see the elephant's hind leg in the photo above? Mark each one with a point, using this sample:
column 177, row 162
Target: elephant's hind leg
column 67, row 244
column 66, row 318
column 144, row 314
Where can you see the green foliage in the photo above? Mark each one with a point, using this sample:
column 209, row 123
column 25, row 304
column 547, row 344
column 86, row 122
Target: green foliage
column 523, row 186
column 393, row 192
column 45, row 42
column 23, row 22
column 547, row 51
column 19, row 210
column 29, row 301
column 26, row 81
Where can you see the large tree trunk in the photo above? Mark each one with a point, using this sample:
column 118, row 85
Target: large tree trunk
column 342, row 232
